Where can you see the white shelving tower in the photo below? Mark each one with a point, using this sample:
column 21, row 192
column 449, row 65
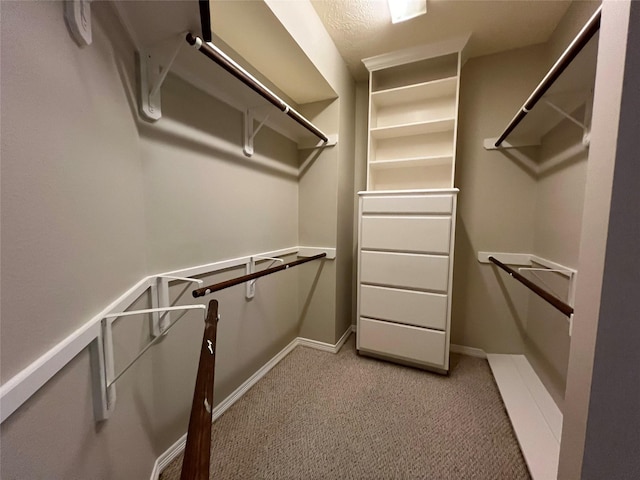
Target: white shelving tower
column 407, row 214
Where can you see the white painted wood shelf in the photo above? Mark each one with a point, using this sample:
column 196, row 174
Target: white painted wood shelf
column 536, row 420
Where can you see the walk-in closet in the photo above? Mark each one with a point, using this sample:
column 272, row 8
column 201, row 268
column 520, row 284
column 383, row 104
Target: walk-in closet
column 337, row 239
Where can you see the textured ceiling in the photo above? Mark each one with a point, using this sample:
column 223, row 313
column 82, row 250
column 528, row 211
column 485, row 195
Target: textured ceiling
column 363, row 28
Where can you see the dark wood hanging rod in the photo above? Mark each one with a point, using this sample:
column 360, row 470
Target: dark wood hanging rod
column 576, row 46
column 550, row 298
column 230, row 66
column 197, row 456
column 201, row 292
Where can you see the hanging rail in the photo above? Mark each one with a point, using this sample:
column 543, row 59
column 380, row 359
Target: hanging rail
column 218, row 56
column 201, row 292
column 197, row 456
column 583, row 37
column 553, row 300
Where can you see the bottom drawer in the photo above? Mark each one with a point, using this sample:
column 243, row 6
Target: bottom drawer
column 402, row 341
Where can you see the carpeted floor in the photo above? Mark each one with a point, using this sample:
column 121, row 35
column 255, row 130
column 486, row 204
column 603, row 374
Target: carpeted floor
column 317, row 415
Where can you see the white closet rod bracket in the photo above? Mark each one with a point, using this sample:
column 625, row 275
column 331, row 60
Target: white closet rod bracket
column 250, row 130
column 103, row 358
column 584, row 125
column 160, row 299
column 153, row 68
column 251, row 268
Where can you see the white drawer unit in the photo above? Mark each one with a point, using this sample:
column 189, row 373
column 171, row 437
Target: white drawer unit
column 408, row 270
column 409, row 234
column 403, row 342
column 405, row 267
column 421, row 309
column 398, row 204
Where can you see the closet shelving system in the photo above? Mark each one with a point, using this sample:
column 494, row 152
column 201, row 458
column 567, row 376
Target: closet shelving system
column 407, row 214
column 567, row 87
column 159, row 40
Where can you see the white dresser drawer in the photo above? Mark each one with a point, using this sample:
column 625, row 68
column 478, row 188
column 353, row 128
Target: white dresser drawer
column 404, row 306
column 402, row 341
column 408, row 204
column 424, row 272
column 408, row 233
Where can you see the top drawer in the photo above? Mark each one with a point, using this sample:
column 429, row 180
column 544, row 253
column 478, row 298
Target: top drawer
column 408, row 204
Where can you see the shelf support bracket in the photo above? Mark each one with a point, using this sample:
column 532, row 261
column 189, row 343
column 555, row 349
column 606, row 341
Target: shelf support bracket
column 250, row 130
column 103, row 358
column 251, row 268
column 583, row 125
column 152, row 72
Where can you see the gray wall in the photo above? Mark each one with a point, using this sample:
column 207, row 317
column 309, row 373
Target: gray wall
column 496, row 202
column 93, row 200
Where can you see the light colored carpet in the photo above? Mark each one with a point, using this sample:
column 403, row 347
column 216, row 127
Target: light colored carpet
column 317, row 415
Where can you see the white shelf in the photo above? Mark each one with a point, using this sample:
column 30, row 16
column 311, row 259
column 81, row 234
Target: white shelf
column 417, row 128
column 536, row 420
column 445, row 87
column 412, row 162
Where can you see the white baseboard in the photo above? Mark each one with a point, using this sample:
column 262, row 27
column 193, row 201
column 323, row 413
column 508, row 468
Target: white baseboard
column 176, row 449
column 536, row 420
column 470, row 351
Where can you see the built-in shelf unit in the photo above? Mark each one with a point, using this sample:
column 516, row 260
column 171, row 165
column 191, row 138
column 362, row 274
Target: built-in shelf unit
column 412, row 121
column 407, row 215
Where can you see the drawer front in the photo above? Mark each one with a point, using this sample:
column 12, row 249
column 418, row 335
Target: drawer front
column 404, row 306
column 425, row 272
column 402, row 341
column 408, row 204
column 415, row 234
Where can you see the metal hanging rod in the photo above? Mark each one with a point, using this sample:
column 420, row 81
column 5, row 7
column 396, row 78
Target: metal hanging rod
column 583, row 37
column 218, row 56
column 197, row 452
column 553, row 300
column 201, row 292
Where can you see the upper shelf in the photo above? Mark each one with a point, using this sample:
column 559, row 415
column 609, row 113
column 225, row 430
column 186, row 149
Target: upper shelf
column 565, row 88
column 417, row 128
column 158, row 29
column 411, row 93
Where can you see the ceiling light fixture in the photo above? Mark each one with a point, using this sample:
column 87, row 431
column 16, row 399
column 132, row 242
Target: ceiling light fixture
column 402, row 10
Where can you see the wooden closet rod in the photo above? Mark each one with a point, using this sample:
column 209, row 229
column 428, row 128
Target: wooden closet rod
column 553, row 300
column 201, row 292
column 583, row 37
column 218, row 56
column 197, row 456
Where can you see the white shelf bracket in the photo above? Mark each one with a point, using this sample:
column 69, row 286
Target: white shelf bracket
column 251, row 268
column 77, row 15
column 153, row 68
column 103, row 358
column 584, row 125
column 250, row 130
column 160, row 299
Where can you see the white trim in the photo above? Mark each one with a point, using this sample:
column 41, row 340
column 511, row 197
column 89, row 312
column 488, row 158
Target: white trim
column 417, row 53
column 508, row 258
column 469, row 351
column 377, row 193
column 311, row 251
column 536, row 420
column 176, row 449
column 18, row 389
